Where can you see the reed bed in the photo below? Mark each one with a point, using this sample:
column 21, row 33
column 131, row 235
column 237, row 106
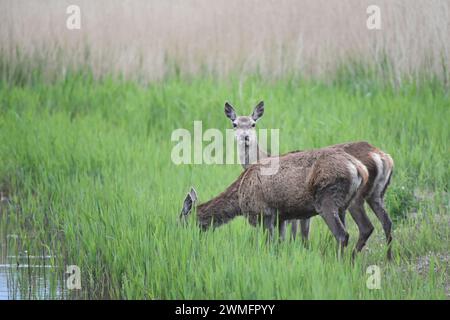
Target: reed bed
column 150, row 40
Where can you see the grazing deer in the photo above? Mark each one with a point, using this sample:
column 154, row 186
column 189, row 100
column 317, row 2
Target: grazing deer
column 322, row 181
column 250, row 152
column 379, row 164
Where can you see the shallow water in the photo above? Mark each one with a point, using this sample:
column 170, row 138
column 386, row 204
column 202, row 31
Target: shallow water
column 27, row 276
column 29, row 269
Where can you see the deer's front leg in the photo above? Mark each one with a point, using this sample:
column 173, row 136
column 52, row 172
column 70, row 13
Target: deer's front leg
column 333, row 221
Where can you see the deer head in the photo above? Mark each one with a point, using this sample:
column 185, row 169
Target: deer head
column 215, row 212
column 244, row 126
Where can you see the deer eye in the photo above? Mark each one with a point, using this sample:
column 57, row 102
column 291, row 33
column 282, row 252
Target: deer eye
column 253, row 125
column 234, row 125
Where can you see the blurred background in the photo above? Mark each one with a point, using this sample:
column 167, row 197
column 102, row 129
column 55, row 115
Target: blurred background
column 148, row 40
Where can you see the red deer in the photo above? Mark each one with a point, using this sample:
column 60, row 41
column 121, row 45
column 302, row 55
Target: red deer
column 250, row 152
column 323, row 181
column 379, row 164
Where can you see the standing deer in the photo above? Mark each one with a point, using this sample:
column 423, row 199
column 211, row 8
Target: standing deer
column 250, row 152
column 323, row 181
column 380, row 168
column 379, row 164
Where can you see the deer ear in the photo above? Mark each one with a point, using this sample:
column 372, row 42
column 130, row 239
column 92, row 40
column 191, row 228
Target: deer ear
column 229, row 111
column 258, row 111
column 193, row 194
column 190, row 199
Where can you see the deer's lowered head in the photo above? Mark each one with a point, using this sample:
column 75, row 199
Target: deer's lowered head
column 216, row 211
column 245, row 129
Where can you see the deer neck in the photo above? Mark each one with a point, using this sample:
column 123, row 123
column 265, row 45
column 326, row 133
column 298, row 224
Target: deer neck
column 249, row 154
column 220, row 209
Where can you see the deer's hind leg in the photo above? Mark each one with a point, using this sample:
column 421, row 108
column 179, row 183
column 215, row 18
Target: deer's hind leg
column 269, row 219
column 304, row 229
column 282, row 229
column 294, row 228
column 295, row 223
column 376, row 203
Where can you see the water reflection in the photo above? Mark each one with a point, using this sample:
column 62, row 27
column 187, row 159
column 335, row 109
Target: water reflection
column 26, row 276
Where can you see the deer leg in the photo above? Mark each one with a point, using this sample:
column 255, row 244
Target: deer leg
column 304, row 228
column 333, row 221
column 269, row 222
column 376, row 203
column 282, row 229
column 365, row 227
column 294, row 228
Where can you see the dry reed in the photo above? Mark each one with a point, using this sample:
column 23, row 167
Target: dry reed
column 150, row 39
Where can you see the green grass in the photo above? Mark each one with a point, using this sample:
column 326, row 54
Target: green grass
column 87, row 166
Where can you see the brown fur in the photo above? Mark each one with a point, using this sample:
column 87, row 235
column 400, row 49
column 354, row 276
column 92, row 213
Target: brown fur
column 361, row 150
column 222, row 208
column 375, row 162
column 302, row 181
column 323, row 181
column 307, row 183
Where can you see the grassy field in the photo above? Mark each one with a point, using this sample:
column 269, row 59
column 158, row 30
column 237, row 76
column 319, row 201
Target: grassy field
column 86, row 118
column 86, row 166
